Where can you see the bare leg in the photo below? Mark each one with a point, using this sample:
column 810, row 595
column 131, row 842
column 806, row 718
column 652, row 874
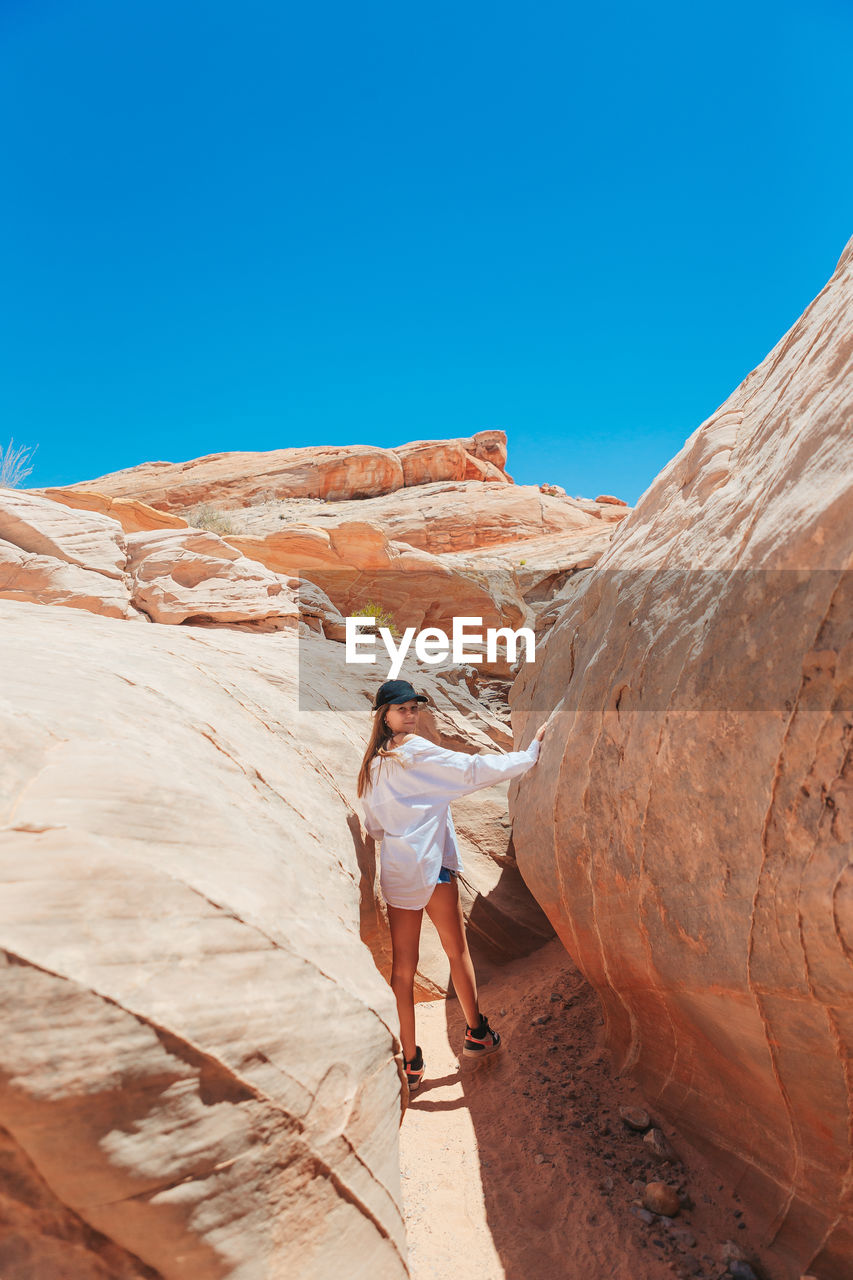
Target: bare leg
column 405, row 938
column 445, row 911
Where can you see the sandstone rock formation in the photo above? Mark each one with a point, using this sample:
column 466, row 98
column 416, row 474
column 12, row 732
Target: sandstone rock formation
column 187, row 886
column 133, row 516
column 179, row 918
column 185, row 575
column 53, row 554
column 689, row 825
column 334, row 474
column 41, row 1238
column 437, row 550
column 50, row 554
column 355, row 563
column 483, row 458
column 452, row 516
column 425, row 554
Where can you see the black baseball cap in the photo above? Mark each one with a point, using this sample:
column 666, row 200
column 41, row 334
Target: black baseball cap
column 396, row 691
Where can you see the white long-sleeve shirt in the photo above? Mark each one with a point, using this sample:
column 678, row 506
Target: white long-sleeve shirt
column 408, row 809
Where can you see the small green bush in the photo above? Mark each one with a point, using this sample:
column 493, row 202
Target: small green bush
column 383, row 618
column 207, row 516
column 12, row 466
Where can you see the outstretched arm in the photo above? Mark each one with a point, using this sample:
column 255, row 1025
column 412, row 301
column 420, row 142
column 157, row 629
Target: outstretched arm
column 455, row 773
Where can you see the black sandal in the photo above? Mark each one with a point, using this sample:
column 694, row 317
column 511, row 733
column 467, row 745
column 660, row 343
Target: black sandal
column 480, row 1040
column 414, row 1069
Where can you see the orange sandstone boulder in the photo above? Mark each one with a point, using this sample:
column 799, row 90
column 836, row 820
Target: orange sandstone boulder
column 133, row 516
column 425, row 461
column 481, row 469
column 688, row 827
column 481, row 457
column 189, row 575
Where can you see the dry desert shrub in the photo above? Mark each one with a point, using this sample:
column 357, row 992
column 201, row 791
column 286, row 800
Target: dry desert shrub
column 383, row 618
column 206, row 516
column 13, row 469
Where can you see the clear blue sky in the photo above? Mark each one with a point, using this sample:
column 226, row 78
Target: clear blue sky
column 257, row 225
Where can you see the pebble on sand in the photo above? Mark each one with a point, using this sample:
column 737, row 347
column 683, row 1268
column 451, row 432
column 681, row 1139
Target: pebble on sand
column 635, row 1118
column 659, row 1197
column 741, row 1270
column 659, row 1146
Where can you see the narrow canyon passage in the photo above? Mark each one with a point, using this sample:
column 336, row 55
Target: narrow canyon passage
column 520, row 1166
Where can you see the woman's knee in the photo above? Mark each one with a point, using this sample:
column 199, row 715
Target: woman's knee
column 455, row 946
column 403, row 974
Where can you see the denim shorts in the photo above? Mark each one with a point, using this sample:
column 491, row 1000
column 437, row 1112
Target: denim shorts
column 445, row 876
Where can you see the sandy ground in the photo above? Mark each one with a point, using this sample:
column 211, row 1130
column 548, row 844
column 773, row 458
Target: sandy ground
column 520, row 1167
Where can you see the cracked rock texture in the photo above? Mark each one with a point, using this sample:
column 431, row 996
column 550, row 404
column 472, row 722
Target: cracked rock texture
column 688, row 826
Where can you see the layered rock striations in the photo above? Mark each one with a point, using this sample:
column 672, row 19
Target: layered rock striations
column 334, row 474
column 425, row 552
column 80, row 559
column 688, row 828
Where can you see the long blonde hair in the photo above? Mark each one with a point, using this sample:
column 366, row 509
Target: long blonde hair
column 380, row 736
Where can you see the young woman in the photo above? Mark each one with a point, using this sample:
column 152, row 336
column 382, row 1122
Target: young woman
column 406, row 784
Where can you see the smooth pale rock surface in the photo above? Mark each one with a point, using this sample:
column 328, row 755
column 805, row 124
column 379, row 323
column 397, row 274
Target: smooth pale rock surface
column 180, row 928
column 186, row 894
column 688, row 829
column 46, row 580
